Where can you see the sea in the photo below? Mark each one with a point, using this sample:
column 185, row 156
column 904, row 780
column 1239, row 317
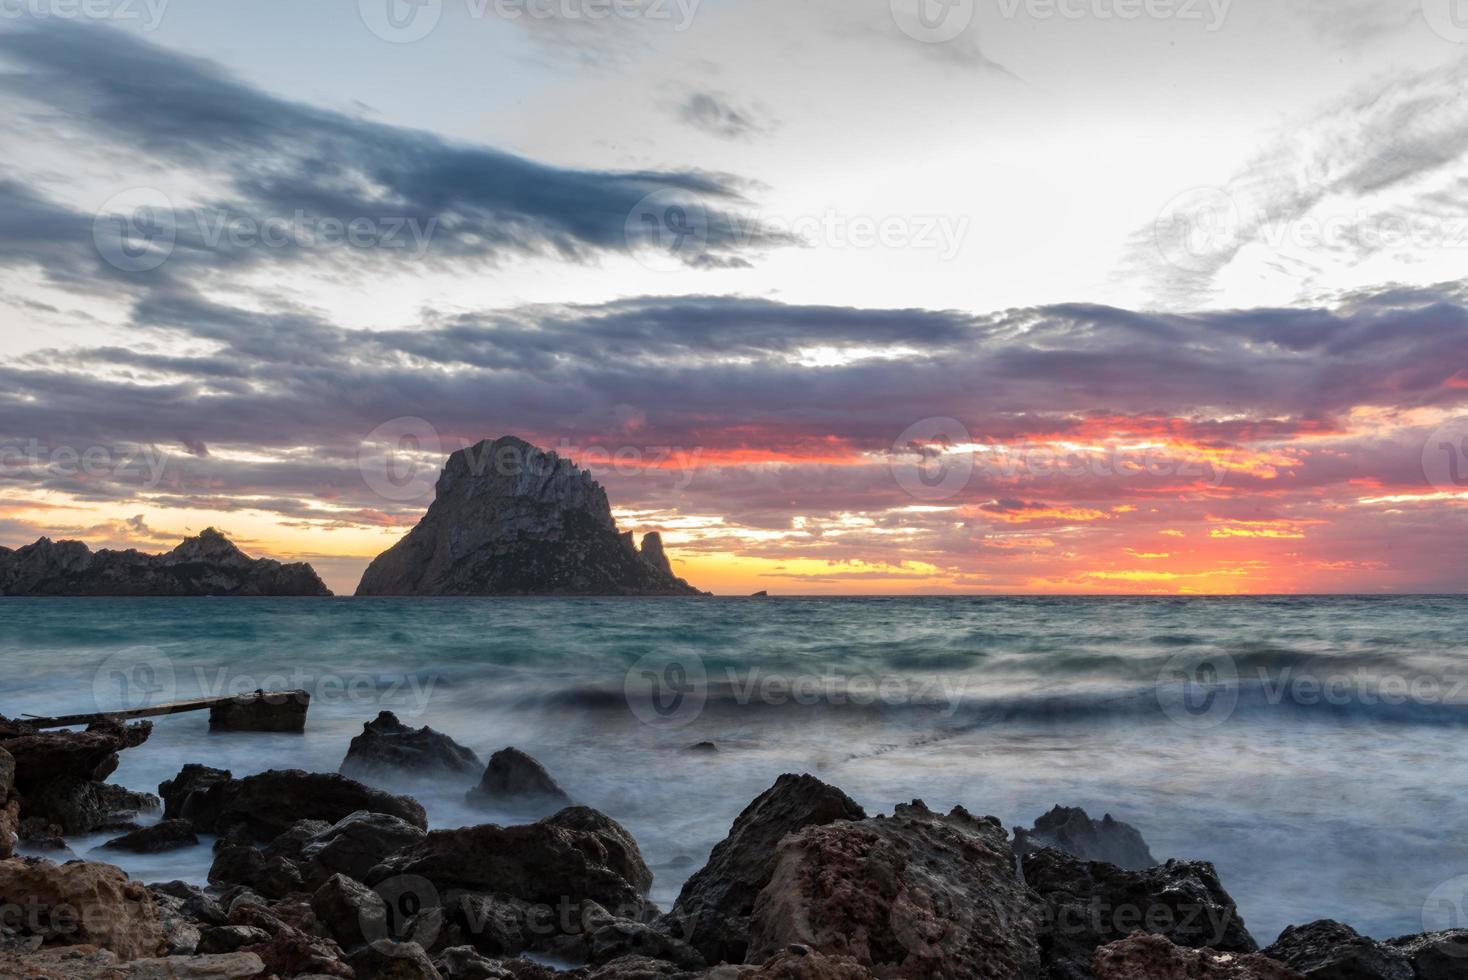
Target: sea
column 1314, row 749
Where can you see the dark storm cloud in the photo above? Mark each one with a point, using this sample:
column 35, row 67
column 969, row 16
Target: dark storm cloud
column 279, row 157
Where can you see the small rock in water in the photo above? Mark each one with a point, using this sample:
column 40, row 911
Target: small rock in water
column 516, row 781
column 165, row 836
column 702, row 748
column 388, row 747
column 1069, row 829
column 283, row 711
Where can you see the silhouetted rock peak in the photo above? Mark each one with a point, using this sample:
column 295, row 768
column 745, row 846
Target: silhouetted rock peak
column 511, row 519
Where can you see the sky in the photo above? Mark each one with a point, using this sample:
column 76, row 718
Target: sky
column 841, row 296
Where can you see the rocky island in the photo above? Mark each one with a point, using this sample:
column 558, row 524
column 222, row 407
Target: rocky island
column 205, row 565
column 510, row 519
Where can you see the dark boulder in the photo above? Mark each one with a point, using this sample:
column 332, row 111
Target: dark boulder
column 190, row 901
column 229, row 939
column 59, row 775
column 713, row 909
column 277, row 711
column 912, row 896
column 167, row 835
column 1330, row 950
column 1086, row 904
column 351, row 912
column 1069, row 829
column 293, row 947
column 514, row 781
column 1435, row 955
column 387, row 747
column 572, row 856
column 357, row 842
column 192, row 778
column 390, row 960
column 272, row 877
column 268, row 804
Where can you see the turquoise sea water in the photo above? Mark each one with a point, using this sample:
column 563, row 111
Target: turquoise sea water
column 1313, row 748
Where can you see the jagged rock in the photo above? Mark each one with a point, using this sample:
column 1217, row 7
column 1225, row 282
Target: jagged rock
column 510, row 519
column 167, row 835
column 291, row 949
column 713, row 909
column 345, row 906
column 59, row 775
column 571, row 856
column 1086, row 904
column 804, row 963
column 633, row 968
column 1069, row 829
column 357, row 842
column 913, row 895
column 1435, row 955
column 181, row 933
column 81, row 962
column 188, row 901
column 228, row 939
column 388, row 747
column 275, row 711
column 1146, row 957
column 291, row 843
column 625, row 937
column 208, row 564
column 192, row 778
column 82, row 902
column 231, row 966
column 465, row 963
column 515, row 781
column 267, row 804
column 9, row 806
column 272, row 877
column 388, row 960
column 1330, row 950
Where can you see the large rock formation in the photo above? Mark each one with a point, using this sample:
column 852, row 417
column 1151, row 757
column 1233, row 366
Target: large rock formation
column 58, row 776
column 713, row 909
column 1330, row 950
column 914, row 896
column 515, row 781
column 269, row 803
column 510, row 519
column 208, row 564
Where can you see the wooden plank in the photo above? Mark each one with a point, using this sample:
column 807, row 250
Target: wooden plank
column 171, row 708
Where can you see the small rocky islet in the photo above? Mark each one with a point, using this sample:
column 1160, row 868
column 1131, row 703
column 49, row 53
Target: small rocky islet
column 319, row 875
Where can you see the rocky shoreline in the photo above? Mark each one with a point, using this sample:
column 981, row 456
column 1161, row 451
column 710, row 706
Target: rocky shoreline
column 319, row 875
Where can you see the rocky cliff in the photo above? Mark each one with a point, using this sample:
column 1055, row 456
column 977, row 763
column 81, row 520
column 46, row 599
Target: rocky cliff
column 510, row 519
column 208, row 564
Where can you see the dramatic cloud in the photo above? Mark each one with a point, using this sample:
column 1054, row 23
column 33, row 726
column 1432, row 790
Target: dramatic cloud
column 285, row 162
